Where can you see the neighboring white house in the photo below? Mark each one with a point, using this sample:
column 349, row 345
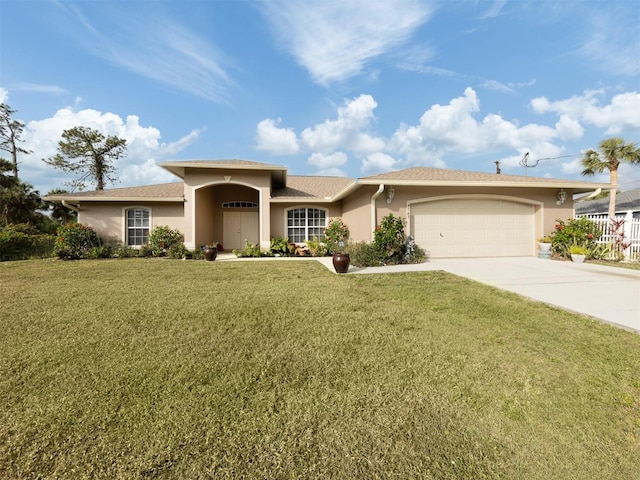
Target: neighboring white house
column 627, row 209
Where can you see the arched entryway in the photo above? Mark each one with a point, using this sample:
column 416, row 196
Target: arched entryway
column 228, row 214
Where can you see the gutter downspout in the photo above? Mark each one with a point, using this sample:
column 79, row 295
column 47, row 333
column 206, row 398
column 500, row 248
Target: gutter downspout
column 373, row 208
column 70, row 207
column 593, row 194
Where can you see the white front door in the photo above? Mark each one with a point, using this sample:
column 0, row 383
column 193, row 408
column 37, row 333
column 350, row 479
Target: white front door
column 238, row 227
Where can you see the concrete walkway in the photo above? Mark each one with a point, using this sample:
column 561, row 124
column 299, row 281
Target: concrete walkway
column 610, row 294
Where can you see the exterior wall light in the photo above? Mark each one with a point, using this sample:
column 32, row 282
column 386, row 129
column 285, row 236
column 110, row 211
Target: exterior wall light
column 390, row 194
column 562, row 197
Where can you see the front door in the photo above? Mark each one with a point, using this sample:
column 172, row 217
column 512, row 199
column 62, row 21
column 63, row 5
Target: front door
column 238, row 227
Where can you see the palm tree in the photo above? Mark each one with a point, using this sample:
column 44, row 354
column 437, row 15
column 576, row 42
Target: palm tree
column 614, row 151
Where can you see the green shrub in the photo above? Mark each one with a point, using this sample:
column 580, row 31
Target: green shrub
column 575, row 232
column 178, row 251
column 363, row 254
column 317, row 248
column 101, row 251
column 279, row 246
column 390, row 241
column 23, row 241
column 249, row 250
column 119, row 250
column 162, row 239
column 197, row 254
column 578, row 250
column 336, row 235
column 74, row 241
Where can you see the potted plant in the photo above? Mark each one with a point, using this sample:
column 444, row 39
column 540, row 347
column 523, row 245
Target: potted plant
column 335, row 237
column 545, row 243
column 210, row 251
column 578, row 253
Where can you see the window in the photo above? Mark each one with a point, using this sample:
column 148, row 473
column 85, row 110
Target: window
column 305, row 223
column 137, row 226
column 240, row 205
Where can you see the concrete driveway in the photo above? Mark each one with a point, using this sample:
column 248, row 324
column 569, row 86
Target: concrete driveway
column 607, row 293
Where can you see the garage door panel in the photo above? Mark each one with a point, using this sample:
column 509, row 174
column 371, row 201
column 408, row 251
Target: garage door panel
column 474, row 228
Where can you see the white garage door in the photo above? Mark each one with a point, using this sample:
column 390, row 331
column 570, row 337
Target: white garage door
column 474, row 228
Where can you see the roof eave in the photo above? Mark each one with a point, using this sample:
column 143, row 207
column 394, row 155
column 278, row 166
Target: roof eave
column 53, row 198
column 577, row 187
column 278, row 172
column 346, row 191
column 302, row 199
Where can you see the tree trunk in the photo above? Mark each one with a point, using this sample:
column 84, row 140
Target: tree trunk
column 14, row 159
column 612, row 193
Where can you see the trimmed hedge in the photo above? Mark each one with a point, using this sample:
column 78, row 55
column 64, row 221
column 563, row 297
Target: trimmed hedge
column 22, row 242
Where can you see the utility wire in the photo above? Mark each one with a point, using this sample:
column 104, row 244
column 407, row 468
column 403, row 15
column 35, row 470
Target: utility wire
column 525, row 160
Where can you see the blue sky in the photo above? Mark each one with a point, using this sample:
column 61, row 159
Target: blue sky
column 349, row 87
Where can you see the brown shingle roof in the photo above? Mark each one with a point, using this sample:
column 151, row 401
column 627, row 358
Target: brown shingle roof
column 434, row 176
column 232, row 162
column 311, row 187
column 164, row 191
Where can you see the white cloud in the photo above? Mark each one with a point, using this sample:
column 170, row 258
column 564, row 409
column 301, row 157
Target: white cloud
column 4, row 95
column 610, row 41
column 497, row 86
column 569, row 128
column 276, row 140
column 377, row 162
column 449, row 132
column 335, row 40
column 33, row 87
column 324, row 162
column 138, row 167
column 453, row 130
column 618, row 116
column 495, row 9
column 346, row 131
column 161, row 49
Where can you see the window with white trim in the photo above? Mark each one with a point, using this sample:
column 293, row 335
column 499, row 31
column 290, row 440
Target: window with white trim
column 137, row 226
column 306, row 223
column 240, row 204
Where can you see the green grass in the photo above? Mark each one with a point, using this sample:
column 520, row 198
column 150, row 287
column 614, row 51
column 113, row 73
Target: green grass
column 281, row 369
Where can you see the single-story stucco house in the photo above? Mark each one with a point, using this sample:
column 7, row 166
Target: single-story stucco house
column 450, row 213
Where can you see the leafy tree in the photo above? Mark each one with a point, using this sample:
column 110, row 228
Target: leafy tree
column 613, row 151
column 10, row 135
column 88, row 152
column 58, row 211
column 18, row 201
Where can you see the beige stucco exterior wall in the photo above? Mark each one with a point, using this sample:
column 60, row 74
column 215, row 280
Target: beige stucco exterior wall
column 357, row 214
column 108, row 218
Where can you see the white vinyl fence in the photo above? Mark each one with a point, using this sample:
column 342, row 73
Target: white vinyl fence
column 630, row 229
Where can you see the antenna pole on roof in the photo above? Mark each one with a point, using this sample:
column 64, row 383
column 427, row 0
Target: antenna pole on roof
column 523, row 162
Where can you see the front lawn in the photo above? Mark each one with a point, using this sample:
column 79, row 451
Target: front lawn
column 146, row 368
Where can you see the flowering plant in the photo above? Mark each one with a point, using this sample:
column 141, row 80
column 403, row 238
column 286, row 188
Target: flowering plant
column 162, row 239
column 336, row 235
column 580, row 232
column 74, row 240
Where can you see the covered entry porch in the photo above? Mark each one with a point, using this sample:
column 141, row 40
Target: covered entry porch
column 228, row 214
